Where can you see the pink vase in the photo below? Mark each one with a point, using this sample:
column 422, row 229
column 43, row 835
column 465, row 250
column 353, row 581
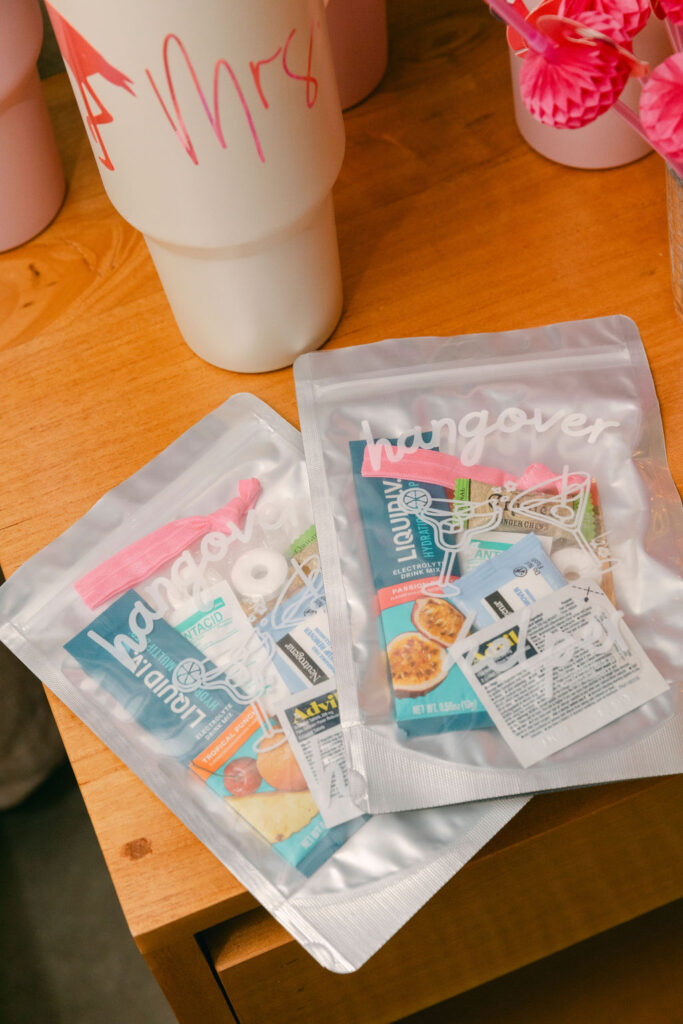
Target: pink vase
column 606, row 142
column 31, row 176
column 358, row 37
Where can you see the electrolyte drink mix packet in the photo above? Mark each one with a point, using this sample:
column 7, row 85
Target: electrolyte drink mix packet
column 183, row 619
column 512, row 622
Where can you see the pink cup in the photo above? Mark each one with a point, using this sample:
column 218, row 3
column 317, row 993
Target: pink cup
column 606, row 142
column 31, row 176
column 358, row 38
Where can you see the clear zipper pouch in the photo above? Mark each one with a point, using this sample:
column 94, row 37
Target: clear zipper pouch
column 500, row 542
column 184, row 620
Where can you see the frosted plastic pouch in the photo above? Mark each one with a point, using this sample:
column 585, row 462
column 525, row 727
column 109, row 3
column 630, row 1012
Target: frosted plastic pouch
column 449, row 457
column 179, row 619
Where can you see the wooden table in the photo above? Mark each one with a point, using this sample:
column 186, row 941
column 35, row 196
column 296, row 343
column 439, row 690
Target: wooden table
column 448, row 223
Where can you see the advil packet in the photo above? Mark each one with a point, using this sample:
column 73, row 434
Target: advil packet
column 558, row 670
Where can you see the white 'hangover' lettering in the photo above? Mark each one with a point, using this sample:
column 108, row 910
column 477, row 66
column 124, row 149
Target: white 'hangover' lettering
column 187, row 577
column 187, row 580
column 141, row 623
column 474, row 427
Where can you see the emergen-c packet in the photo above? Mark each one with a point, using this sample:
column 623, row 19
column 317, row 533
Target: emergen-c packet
column 445, row 455
column 183, row 620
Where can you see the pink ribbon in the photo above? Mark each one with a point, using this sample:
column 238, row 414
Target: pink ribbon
column 432, row 467
column 140, row 559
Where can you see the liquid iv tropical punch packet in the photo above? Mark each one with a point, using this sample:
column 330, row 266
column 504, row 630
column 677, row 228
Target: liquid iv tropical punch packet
column 183, row 619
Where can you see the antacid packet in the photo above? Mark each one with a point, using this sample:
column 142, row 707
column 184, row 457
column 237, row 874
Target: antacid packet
column 553, row 431
column 507, row 582
column 178, row 619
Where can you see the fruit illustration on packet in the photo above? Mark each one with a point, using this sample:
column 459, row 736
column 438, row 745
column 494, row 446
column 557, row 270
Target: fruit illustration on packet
column 230, row 620
column 279, row 614
column 418, row 660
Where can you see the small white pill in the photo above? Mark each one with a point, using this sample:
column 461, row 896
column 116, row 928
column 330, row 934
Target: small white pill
column 576, row 564
column 259, row 573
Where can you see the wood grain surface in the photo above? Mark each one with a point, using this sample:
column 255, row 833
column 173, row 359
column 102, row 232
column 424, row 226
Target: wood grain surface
column 448, row 223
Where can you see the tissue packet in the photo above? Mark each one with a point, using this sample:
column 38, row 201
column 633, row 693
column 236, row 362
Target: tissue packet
column 553, row 431
column 178, row 619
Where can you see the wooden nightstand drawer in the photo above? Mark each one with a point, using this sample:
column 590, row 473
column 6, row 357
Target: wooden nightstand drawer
column 569, row 866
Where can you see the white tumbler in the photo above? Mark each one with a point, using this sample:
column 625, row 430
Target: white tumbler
column 218, row 133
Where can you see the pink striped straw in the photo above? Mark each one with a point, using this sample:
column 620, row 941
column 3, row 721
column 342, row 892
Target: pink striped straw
column 633, row 120
column 139, row 560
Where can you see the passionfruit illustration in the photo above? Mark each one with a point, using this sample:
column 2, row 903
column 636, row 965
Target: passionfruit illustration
column 417, row 664
column 437, row 619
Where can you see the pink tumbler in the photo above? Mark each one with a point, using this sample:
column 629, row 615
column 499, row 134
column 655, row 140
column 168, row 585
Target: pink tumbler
column 31, row 175
column 358, row 37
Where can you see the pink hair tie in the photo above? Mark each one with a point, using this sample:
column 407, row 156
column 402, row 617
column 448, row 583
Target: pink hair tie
column 432, row 467
column 427, row 466
column 140, row 559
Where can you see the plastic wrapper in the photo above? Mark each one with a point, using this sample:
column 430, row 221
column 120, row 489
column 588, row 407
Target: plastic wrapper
column 470, row 664
column 183, row 620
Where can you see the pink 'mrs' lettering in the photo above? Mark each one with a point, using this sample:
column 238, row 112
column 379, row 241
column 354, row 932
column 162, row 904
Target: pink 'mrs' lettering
column 213, row 116
column 255, row 68
column 308, row 78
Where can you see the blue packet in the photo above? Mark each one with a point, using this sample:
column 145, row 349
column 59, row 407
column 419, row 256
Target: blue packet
column 508, row 582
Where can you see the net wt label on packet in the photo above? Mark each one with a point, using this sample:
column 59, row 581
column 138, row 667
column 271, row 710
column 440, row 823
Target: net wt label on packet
column 558, row 670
